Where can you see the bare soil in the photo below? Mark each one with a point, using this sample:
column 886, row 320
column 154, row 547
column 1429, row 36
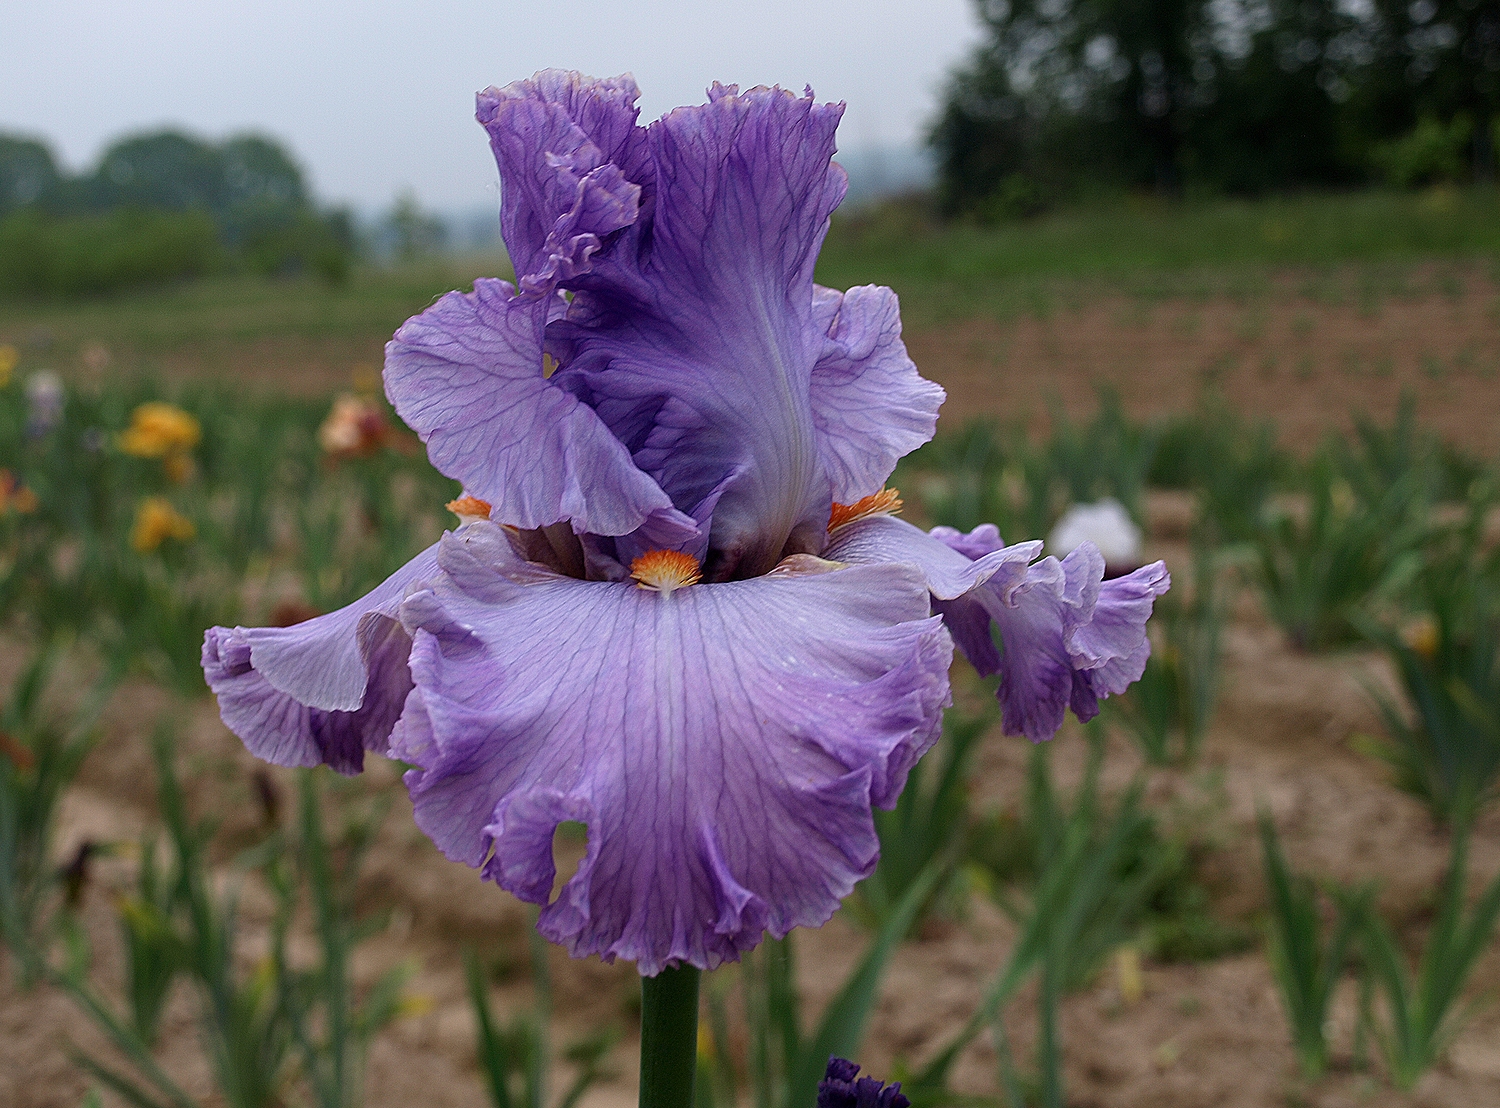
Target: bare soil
column 1205, row 1034
column 1306, row 363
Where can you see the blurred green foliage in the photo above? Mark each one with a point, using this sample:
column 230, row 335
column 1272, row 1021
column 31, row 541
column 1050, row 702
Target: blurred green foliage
column 273, row 1032
column 987, row 473
column 1167, row 711
column 158, row 208
column 263, row 499
column 1361, row 525
column 785, row 1057
column 515, row 1055
column 79, row 255
column 1443, row 742
column 1307, row 966
column 1149, row 248
column 1157, row 901
column 931, row 826
column 1423, row 1009
column 1430, row 153
column 42, row 748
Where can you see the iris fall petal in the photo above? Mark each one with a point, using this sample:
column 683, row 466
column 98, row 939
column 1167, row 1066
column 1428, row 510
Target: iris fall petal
column 723, row 744
column 323, row 691
column 1066, row 637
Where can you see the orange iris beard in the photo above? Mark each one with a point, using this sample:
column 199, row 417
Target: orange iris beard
column 665, row 570
column 884, row 502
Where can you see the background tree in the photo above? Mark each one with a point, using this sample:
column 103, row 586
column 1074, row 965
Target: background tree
column 27, row 172
column 1433, row 62
column 161, row 206
column 1064, row 97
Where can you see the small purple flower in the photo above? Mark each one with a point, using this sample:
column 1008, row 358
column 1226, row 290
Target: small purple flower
column 676, row 608
column 841, row 1087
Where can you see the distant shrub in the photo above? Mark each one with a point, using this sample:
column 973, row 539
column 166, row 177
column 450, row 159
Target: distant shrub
column 42, row 255
column 159, row 207
column 1430, row 153
column 27, row 171
column 1191, row 97
column 305, row 243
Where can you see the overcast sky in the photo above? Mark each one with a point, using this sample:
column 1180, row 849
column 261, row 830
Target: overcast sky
column 376, row 97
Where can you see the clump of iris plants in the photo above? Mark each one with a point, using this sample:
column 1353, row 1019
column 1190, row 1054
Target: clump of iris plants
column 679, row 607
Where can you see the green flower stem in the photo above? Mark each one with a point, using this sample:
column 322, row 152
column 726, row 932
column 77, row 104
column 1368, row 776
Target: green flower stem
column 669, row 1037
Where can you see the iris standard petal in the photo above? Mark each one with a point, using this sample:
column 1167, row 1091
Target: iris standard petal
column 724, row 743
column 703, row 366
column 467, row 376
column 870, row 405
column 573, row 166
column 322, row 691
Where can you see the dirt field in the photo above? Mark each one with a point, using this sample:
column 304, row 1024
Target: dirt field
column 1306, row 363
column 1208, row 1034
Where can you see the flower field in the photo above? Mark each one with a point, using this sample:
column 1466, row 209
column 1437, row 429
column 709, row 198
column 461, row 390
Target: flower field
column 1266, row 875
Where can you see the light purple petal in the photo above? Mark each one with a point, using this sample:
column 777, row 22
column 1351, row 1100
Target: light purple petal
column 322, row 661
column 323, row 691
column 286, row 732
column 984, row 539
column 1067, row 638
column 956, row 568
column 870, row 406
column 724, row 744
column 467, row 376
column 573, row 166
column 968, row 621
column 702, row 366
column 1070, row 638
column 1111, row 647
column 949, row 573
column 1036, row 676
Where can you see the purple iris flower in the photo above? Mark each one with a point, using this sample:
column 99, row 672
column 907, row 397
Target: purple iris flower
column 842, row 1087
column 678, row 609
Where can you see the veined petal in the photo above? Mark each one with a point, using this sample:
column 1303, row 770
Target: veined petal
column 573, row 168
column 284, row 731
column 984, row 539
column 1036, row 674
column 1067, row 638
column 724, row 743
column 949, row 573
column 1110, row 649
column 870, row 405
column 703, row 365
column 322, row 691
column 969, row 575
column 467, row 376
